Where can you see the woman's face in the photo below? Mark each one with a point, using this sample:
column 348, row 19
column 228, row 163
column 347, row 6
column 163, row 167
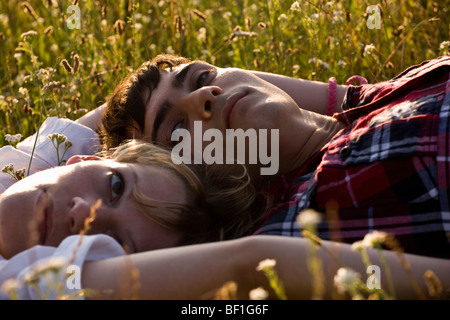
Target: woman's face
column 50, row 205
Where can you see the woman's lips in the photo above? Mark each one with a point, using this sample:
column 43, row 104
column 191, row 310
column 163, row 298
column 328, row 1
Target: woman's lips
column 230, row 108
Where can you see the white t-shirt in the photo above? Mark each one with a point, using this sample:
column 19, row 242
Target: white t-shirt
column 84, row 142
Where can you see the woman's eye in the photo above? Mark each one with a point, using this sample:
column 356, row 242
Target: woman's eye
column 117, row 186
column 202, row 78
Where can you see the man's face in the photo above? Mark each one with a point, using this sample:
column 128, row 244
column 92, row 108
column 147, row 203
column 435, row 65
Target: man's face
column 220, row 98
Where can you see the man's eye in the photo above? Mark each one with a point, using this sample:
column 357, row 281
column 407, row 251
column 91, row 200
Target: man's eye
column 117, row 186
column 174, row 136
column 202, row 78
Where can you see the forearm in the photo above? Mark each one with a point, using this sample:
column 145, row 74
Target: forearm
column 309, row 95
column 194, row 272
column 189, row 272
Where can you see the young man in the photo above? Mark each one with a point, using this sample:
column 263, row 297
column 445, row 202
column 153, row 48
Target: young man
column 380, row 164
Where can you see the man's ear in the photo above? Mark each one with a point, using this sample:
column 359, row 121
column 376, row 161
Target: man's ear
column 76, row 159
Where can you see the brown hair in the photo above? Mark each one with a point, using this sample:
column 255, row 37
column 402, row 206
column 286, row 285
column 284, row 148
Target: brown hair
column 125, row 110
column 221, row 202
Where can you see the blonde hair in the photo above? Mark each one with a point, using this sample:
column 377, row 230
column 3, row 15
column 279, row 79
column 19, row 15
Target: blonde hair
column 222, row 202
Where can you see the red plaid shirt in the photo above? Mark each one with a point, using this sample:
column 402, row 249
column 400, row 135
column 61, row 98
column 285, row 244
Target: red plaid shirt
column 388, row 170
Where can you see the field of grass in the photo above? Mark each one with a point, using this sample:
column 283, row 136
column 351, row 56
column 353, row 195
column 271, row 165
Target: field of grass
column 309, row 39
column 313, row 40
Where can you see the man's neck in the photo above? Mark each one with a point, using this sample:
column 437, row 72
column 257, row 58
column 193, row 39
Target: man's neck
column 321, row 130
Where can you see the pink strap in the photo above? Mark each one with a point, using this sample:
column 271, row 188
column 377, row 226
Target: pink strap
column 331, row 96
column 352, row 79
column 332, row 91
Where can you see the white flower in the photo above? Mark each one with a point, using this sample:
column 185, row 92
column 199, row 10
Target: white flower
column 374, row 238
column 295, row 6
column 341, row 63
column 320, row 62
column 201, row 36
column 345, row 278
column 27, row 34
column 10, row 286
column 369, row 49
column 267, row 263
column 13, row 138
column 308, row 218
column 444, row 45
column 314, row 17
column 258, row 294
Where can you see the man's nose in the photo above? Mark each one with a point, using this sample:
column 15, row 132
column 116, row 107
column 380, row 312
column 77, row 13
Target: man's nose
column 203, row 102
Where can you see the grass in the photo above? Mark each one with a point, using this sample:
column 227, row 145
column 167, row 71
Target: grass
column 313, row 40
column 316, row 40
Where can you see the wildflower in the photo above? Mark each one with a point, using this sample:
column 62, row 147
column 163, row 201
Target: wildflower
column 262, row 25
column 76, row 63
column 341, row 63
column 320, row 62
column 199, row 14
column 268, row 267
column 258, row 294
column 374, row 239
column 265, row 264
column 357, row 246
column 433, row 283
column 369, row 49
column 28, row 8
column 66, row 65
column 52, row 265
column 444, row 47
column 27, row 34
column 20, row 174
column 308, row 218
column 244, row 33
column 13, row 138
column 58, row 139
column 10, row 287
column 314, row 17
column 119, row 26
column 53, row 85
column 345, row 278
column 24, row 92
column 201, row 36
column 8, row 167
column 295, row 6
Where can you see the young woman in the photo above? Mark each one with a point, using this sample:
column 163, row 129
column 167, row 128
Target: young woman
column 134, row 199
column 380, row 162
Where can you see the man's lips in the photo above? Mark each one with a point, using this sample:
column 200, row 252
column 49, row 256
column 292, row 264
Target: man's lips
column 229, row 110
column 44, row 214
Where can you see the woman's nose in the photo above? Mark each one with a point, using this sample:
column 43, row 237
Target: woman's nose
column 203, row 101
column 79, row 215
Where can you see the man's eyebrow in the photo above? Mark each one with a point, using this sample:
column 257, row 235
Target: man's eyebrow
column 179, row 78
column 161, row 114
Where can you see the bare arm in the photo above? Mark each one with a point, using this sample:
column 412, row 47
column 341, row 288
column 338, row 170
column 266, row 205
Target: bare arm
column 309, row 95
column 92, row 119
column 191, row 272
